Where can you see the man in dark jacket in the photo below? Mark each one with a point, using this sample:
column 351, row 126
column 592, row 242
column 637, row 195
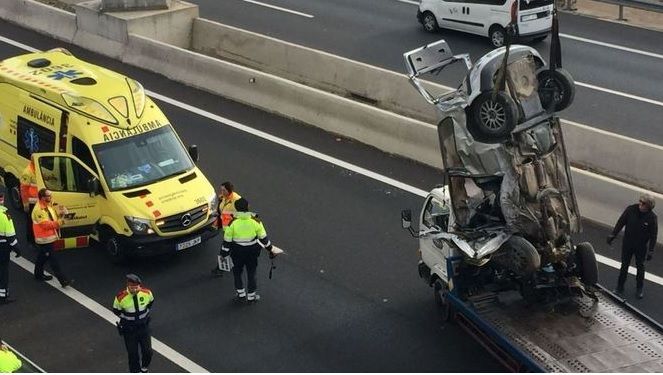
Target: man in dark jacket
column 639, row 236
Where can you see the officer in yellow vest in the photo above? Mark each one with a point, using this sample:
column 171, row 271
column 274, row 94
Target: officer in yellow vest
column 242, row 240
column 133, row 305
column 8, row 243
column 8, row 360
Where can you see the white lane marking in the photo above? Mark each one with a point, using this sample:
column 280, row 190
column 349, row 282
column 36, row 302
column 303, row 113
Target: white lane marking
column 614, row 46
column 34, row 365
column 623, row 137
column 632, row 270
column 108, row 315
column 18, row 44
column 279, row 8
column 332, row 160
column 619, row 93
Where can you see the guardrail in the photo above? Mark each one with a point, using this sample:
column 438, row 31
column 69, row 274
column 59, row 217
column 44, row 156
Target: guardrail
column 648, row 5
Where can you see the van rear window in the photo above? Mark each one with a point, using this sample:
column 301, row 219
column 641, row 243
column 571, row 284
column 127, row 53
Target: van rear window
column 533, row 4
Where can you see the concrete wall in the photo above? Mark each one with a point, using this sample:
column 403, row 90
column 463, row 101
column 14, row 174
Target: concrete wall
column 40, row 17
column 598, row 150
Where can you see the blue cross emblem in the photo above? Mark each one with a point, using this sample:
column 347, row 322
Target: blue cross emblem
column 58, row 75
column 31, row 140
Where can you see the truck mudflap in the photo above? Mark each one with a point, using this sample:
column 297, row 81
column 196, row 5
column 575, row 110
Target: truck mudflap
column 608, row 335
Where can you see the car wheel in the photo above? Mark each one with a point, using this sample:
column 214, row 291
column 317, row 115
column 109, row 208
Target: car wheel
column 556, row 89
column 491, row 120
column 430, row 22
column 588, row 268
column 14, row 193
column 497, row 36
column 113, row 248
column 444, row 308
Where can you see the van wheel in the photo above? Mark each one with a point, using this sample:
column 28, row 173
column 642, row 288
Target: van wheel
column 14, row 192
column 113, row 247
column 586, row 259
column 429, row 22
column 444, row 308
column 497, row 36
column 556, row 88
column 492, row 120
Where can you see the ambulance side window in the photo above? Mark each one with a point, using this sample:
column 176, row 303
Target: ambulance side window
column 32, row 138
column 81, row 151
column 64, row 174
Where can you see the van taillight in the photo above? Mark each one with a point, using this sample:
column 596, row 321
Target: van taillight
column 514, row 12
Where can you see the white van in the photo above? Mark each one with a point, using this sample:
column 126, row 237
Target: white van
column 488, row 17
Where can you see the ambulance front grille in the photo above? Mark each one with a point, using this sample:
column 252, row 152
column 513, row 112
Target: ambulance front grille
column 175, row 223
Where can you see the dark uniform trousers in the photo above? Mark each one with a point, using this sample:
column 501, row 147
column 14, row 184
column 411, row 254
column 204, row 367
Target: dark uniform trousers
column 29, row 231
column 245, row 257
column 138, row 340
column 627, row 253
column 45, row 254
column 4, row 271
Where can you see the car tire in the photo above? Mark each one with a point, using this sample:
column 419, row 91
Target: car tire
column 497, row 36
column 556, row 88
column 113, row 247
column 429, row 22
column 492, row 120
column 587, row 266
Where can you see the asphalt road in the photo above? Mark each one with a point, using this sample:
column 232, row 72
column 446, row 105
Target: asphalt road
column 377, row 32
column 345, row 298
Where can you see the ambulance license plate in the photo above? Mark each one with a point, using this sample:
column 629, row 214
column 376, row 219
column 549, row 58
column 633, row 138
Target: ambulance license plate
column 188, row 244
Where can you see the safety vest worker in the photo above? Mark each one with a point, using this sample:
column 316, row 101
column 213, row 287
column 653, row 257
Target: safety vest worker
column 28, row 185
column 8, row 360
column 226, row 211
column 242, row 240
column 133, row 305
column 8, row 243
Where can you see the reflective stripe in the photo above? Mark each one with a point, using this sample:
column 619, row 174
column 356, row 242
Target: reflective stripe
column 127, row 317
column 32, row 200
column 3, row 240
column 13, row 243
column 45, row 240
column 143, row 315
column 3, row 292
column 245, row 242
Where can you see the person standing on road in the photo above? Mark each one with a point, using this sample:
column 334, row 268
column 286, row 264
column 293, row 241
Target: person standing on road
column 226, row 211
column 639, row 236
column 8, row 243
column 242, row 240
column 8, row 360
column 46, row 224
column 133, row 305
column 29, row 197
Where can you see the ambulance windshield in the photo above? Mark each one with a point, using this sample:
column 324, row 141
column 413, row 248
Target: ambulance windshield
column 142, row 159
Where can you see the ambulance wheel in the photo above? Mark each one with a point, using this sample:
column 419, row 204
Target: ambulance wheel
column 429, row 22
column 492, row 120
column 14, row 192
column 587, row 266
column 556, row 88
column 444, row 309
column 113, row 247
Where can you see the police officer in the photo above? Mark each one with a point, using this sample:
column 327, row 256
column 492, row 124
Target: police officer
column 242, row 240
column 226, row 210
column 640, row 235
column 133, row 305
column 8, row 243
column 8, row 360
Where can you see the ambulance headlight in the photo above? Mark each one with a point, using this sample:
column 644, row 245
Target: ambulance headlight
column 138, row 225
column 138, row 96
column 214, row 204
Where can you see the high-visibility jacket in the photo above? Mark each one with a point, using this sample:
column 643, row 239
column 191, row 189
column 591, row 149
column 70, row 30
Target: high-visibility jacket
column 45, row 223
column 133, row 309
column 245, row 231
column 8, row 361
column 28, row 185
column 227, row 208
column 8, row 238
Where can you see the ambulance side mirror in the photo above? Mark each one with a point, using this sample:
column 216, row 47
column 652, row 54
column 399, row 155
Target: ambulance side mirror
column 93, row 186
column 193, row 152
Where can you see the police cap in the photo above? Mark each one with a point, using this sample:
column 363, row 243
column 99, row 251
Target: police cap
column 133, row 278
column 242, row 205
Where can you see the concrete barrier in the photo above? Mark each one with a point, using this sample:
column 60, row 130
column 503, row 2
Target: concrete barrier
column 608, row 153
column 40, row 17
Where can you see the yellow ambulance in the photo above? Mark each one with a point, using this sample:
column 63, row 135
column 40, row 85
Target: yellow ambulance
column 108, row 154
